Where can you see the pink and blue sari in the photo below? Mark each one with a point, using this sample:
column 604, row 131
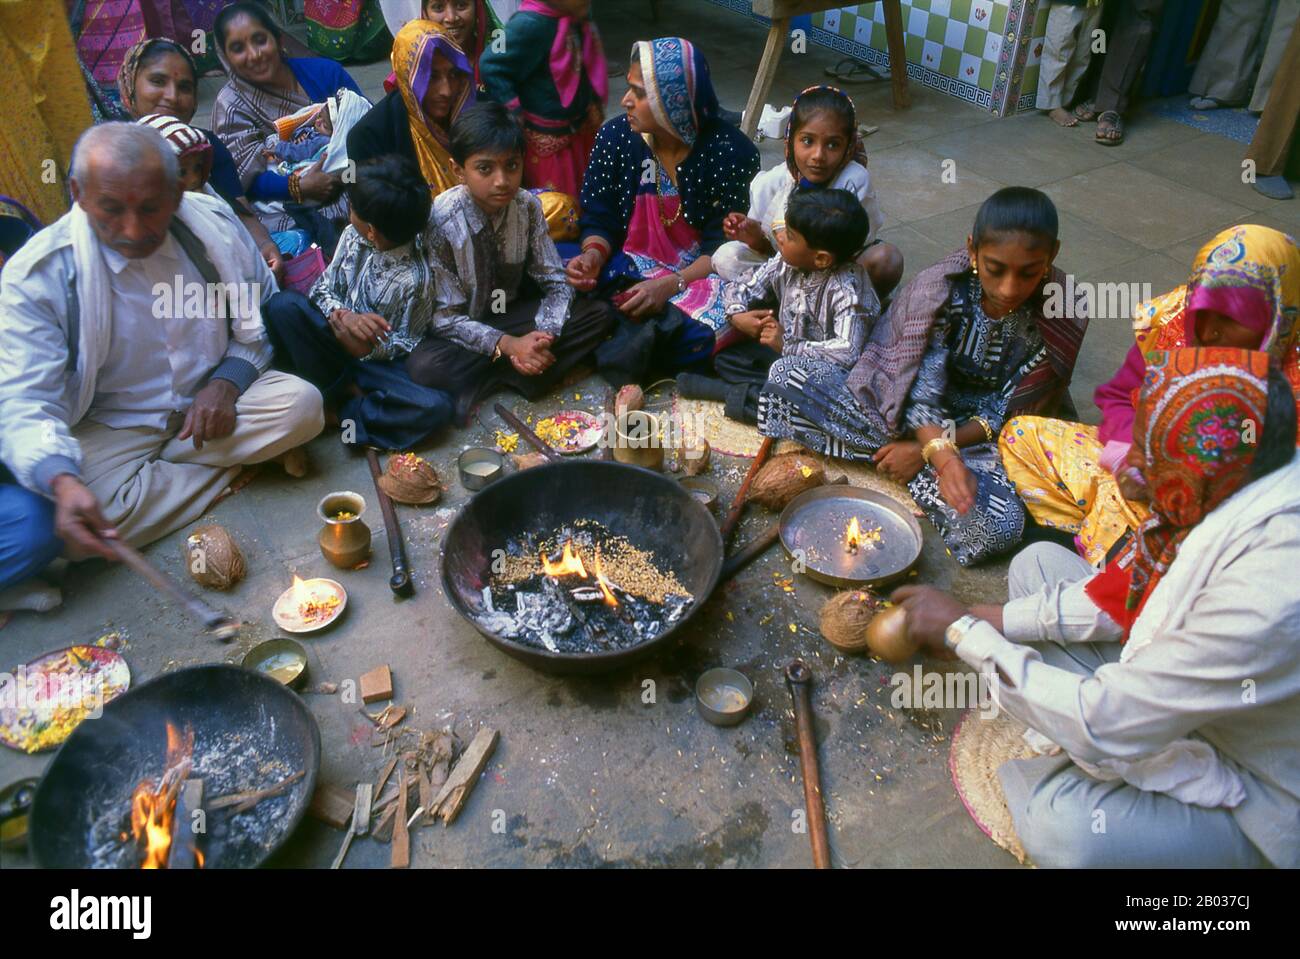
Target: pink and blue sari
column 652, row 226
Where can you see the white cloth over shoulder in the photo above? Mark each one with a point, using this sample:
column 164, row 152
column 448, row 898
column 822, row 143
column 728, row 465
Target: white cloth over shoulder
column 1188, row 769
column 349, row 109
column 40, row 398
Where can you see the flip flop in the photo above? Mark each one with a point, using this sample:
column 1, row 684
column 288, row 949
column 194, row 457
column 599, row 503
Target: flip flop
column 1105, row 123
column 850, row 70
column 1086, row 112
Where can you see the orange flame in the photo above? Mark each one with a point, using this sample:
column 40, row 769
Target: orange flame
column 853, row 536
column 153, row 806
column 570, row 563
column 603, row 583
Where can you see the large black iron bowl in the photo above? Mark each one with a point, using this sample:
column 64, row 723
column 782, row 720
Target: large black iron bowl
column 234, row 712
column 652, row 511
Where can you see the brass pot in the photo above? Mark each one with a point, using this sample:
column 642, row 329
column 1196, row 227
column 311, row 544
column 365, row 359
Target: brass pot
column 345, row 542
column 637, row 441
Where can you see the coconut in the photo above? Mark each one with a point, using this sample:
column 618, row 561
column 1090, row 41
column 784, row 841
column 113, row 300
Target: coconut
column 411, row 480
column 887, row 636
column 695, row 457
column 784, row 477
column 844, row 619
column 526, row 461
column 213, row 559
column 628, row 398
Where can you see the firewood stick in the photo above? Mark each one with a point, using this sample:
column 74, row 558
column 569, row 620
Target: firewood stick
column 738, row 504
column 214, row 621
column 455, row 791
column 382, row 781
column 246, row 800
column 184, row 853
column 401, row 855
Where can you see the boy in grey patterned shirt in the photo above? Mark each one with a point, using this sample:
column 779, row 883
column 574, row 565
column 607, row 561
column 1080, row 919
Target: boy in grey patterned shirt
column 367, row 311
column 506, row 315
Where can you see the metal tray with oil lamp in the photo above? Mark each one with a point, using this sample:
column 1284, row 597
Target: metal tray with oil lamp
column 884, row 545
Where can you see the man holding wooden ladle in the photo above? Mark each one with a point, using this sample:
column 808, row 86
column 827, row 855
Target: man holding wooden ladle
column 135, row 373
column 1164, row 690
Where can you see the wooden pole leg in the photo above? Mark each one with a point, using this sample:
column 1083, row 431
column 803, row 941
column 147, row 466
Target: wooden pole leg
column 897, row 54
column 776, row 37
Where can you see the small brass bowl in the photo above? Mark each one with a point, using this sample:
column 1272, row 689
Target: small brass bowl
column 479, row 466
column 283, row 659
column 723, row 696
column 702, row 488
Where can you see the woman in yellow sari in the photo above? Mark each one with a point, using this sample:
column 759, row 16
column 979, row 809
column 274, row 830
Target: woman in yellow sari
column 1244, row 292
column 435, row 82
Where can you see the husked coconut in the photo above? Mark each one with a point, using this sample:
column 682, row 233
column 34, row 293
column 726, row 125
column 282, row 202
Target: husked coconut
column 784, row 477
column 213, row 559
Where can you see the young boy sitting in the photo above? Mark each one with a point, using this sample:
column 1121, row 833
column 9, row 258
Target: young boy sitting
column 813, row 299
column 367, row 311
column 506, row 315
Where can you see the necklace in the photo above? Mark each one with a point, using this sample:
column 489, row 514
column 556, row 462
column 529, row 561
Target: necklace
column 659, row 193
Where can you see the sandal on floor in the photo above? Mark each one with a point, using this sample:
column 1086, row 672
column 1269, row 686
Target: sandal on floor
column 1086, row 111
column 1110, row 122
column 850, row 70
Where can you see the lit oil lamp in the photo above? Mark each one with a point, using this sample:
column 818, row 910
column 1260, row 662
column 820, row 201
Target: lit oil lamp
column 309, row 605
column 855, row 537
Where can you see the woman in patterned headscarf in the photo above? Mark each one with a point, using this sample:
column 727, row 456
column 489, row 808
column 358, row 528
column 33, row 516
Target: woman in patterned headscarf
column 1244, row 291
column 435, row 82
column 159, row 77
column 661, row 179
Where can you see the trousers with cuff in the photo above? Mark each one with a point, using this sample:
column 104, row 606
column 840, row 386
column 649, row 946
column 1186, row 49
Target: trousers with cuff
column 391, row 411
column 1057, row 807
column 443, row 364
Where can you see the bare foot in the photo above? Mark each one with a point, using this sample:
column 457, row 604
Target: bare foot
column 1063, row 117
column 295, row 462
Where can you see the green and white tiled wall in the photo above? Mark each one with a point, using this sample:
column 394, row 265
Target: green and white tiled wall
column 983, row 51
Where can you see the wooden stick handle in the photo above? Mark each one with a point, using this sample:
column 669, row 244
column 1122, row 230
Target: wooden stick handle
column 129, row 556
column 738, row 504
column 522, row 429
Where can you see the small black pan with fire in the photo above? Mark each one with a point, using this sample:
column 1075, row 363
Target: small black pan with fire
column 123, row 791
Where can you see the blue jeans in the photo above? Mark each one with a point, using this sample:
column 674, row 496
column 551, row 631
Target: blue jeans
column 27, row 540
column 393, row 412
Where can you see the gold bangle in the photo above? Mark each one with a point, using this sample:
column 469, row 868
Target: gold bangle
column 938, row 443
column 988, row 430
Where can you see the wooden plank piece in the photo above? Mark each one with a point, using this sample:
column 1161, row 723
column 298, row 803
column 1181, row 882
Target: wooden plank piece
column 332, row 805
column 455, row 791
column 377, row 684
column 361, row 810
column 401, row 855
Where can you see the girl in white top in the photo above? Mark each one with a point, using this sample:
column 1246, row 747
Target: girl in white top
column 822, row 151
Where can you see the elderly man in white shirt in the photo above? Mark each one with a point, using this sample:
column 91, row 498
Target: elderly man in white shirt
column 135, row 372
column 1176, row 740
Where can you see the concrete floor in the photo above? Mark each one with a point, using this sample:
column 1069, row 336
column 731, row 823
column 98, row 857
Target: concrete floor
column 586, row 773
